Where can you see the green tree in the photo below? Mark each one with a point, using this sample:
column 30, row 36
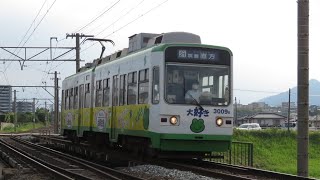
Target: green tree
column 9, row 117
column 25, row 117
column 41, row 114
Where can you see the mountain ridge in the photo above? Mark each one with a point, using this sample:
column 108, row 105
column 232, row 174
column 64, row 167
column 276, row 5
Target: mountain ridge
column 314, row 90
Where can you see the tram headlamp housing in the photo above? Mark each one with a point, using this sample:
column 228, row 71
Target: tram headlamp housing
column 173, row 120
column 219, row 121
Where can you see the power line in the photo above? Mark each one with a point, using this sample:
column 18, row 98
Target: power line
column 137, row 18
column 32, row 23
column 35, row 29
column 26, row 34
column 128, row 24
column 99, row 16
column 121, row 17
column 155, row 7
column 39, row 22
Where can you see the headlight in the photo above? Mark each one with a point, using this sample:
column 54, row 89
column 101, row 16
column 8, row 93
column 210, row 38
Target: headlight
column 219, row 121
column 173, row 120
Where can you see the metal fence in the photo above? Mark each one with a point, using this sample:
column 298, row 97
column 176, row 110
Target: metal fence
column 241, row 153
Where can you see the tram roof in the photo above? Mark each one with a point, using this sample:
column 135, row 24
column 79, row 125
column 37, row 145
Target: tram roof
column 154, row 48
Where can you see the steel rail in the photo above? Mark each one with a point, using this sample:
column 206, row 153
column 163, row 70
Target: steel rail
column 245, row 170
column 111, row 173
column 199, row 170
column 37, row 163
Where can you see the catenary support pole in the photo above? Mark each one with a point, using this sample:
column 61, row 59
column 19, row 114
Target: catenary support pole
column 56, row 103
column 46, row 114
column 15, row 110
column 34, row 112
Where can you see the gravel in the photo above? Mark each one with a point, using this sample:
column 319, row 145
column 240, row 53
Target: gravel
column 157, row 172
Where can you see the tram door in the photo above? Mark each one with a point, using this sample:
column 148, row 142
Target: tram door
column 115, row 101
column 80, row 107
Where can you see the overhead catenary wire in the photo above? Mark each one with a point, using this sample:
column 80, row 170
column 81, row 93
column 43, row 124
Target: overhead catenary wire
column 96, row 18
column 35, row 28
column 125, row 14
column 140, row 16
column 153, row 8
column 5, row 68
column 99, row 16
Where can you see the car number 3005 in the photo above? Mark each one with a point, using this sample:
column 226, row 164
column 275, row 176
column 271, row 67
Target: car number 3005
column 221, row 111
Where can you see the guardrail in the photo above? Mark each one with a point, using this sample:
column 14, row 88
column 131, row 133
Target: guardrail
column 241, row 153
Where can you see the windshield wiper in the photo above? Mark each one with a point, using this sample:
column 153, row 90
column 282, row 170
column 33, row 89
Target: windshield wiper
column 197, row 103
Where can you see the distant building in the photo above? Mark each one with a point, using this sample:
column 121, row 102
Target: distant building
column 5, row 98
column 24, row 106
column 257, row 105
column 284, row 105
column 264, row 119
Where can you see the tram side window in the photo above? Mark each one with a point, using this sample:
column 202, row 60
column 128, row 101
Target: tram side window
column 115, row 89
column 81, row 95
column 143, row 86
column 132, row 88
column 66, row 99
column 155, row 86
column 122, row 99
column 106, row 91
column 62, row 100
column 87, row 96
column 76, row 96
column 71, row 98
column 98, row 100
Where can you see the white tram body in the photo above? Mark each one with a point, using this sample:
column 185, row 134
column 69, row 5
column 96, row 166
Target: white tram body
column 143, row 96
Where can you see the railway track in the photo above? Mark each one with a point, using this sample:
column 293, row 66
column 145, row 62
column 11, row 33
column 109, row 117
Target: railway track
column 211, row 169
column 69, row 166
column 23, row 161
column 224, row 171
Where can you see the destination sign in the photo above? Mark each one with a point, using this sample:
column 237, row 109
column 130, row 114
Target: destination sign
column 199, row 55
column 195, row 54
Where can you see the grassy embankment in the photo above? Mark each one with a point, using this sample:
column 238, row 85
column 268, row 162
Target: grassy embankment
column 276, row 150
column 22, row 127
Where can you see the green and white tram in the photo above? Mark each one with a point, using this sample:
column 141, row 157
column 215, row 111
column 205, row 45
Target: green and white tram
column 165, row 93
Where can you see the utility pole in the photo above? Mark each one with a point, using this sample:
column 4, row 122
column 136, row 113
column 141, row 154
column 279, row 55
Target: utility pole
column 78, row 36
column 236, row 118
column 289, row 110
column 303, row 88
column 15, row 110
column 34, row 112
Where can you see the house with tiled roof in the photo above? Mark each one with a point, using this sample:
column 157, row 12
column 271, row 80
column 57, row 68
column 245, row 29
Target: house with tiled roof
column 264, row 119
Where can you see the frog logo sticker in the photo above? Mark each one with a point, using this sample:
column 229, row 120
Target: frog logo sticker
column 101, row 120
column 69, row 120
column 197, row 125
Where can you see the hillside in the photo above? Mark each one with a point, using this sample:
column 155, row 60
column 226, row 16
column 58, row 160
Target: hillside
column 314, row 89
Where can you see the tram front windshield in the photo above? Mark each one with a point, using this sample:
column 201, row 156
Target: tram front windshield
column 191, row 84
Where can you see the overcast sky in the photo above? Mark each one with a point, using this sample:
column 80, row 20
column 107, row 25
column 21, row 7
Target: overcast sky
column 261, row 33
